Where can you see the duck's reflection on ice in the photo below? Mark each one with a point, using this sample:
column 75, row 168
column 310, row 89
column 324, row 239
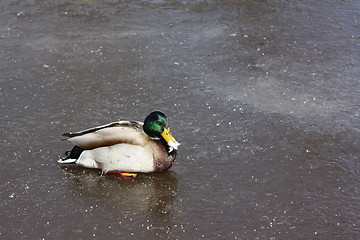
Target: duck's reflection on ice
column 153, row 194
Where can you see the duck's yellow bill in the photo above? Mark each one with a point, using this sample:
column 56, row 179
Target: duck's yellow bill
column 173, row 144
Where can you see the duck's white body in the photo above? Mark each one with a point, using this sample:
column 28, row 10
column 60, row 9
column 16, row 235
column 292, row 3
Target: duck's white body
column 119, row 157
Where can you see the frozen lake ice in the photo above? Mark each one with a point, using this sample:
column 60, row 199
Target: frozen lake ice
column 263, row 96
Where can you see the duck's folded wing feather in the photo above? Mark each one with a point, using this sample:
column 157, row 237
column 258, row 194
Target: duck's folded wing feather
column 90, row 130
column 113, row 133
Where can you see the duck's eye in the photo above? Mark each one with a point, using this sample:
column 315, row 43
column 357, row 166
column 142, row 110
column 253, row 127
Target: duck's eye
column 157, row 122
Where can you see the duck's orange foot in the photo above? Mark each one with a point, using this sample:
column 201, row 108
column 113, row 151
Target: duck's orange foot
column 125, row 174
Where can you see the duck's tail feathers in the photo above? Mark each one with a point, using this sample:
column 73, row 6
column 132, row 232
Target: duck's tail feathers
column 71, row 156
column 66, row 161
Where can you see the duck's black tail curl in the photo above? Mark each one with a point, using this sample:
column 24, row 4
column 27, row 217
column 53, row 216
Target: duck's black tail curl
column 71, row 156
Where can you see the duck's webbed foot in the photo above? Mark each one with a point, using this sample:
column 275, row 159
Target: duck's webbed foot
column 124, row 174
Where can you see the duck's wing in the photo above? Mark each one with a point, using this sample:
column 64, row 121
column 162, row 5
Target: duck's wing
column 91, row 130
column 130, row 132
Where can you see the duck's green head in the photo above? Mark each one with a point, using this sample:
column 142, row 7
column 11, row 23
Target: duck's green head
column 156, row 127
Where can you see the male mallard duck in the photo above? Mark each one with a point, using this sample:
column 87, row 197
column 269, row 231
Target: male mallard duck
column 125, row 147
